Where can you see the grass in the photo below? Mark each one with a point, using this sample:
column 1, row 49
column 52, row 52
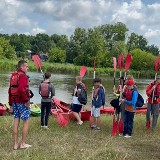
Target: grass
column 80, row 142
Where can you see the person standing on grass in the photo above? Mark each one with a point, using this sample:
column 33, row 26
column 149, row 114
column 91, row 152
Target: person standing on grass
column 153, row 93
column 130, row 107
column 97, row 102
column 19, row 98
column 76, row 105
column 47, row 91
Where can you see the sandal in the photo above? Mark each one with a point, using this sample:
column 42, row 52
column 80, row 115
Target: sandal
column 26, row 146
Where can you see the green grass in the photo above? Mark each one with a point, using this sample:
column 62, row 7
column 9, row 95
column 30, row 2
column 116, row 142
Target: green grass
column 80, row 142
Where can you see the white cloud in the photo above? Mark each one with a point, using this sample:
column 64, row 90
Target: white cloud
column 37, row 30
column 152, row 33
column 63, row 16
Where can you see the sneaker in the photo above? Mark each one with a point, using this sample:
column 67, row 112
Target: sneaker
column 127, row 136
column 80, row 123
column 97, row 128
column 46, row 127
column 93, row 126
column 120, row 134
column 42, row 126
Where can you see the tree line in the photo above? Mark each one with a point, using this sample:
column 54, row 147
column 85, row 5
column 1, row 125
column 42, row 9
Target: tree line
column 103, row 42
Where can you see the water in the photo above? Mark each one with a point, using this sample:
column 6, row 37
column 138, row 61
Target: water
column 64, row 84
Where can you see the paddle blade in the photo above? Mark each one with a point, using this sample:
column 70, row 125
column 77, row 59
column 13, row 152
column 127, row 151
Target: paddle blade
column 128, row 61
column 120, row 61
column 114, row 126
column 83, row 70
column 114, row 63
column 120, row 126
column 37, row 61
column 156, row 64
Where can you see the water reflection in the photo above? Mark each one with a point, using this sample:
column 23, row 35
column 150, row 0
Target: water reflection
column 64, row 84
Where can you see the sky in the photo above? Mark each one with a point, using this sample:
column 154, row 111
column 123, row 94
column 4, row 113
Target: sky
column 63, row 16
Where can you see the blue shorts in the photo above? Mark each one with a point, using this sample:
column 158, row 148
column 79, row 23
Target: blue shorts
column 21, row 111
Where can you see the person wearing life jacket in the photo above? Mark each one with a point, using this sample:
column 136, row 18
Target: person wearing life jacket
column 76, row 105
column 130, row 107
column 19, row 98
column 47, row 91
column 97, row 102
column 153, row 93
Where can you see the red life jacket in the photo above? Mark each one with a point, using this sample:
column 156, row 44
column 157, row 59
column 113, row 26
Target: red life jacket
column 45, row 89
column 128, row 94
column 13, row 89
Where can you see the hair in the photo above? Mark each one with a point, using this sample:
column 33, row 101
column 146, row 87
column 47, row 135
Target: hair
column 97, row 80
column 47, row 75
column 79, row 78
column 129, row 77
column 21, row 63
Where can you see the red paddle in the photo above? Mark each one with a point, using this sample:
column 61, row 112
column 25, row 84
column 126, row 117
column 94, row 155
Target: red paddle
column 128, row 63
column 83, row 71
column 156, row 67
column 114, row 65
column 120, row 126
column 120, row 63
column 37, row 62
column 94, row 75
column 114, row 126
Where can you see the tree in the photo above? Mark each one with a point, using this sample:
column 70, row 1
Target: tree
column 57, row 55
column 6, row 50
column 153, row 49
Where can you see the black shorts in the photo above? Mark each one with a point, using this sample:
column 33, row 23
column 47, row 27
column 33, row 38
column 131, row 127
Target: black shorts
column 76, row 108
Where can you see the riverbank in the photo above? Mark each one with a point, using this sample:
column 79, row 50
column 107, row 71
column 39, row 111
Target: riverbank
column 10, row 65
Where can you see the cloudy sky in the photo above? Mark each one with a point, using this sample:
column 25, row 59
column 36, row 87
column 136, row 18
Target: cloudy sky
column 63, row 16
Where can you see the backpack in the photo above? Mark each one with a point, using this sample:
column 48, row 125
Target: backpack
column 82, row 97
column 45, row 89
column 140, row 100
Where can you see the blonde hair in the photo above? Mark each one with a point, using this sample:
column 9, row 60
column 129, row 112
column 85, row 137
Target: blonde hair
column 78, row 78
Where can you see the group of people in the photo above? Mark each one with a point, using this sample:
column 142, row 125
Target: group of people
column 20, row 94
column 127, row 93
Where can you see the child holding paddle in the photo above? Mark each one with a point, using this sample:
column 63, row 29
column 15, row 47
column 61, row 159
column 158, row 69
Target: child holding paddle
column 130, row 107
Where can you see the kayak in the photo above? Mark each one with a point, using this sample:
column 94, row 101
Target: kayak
column 35, row 110
column 66, row 108
column 2, row 109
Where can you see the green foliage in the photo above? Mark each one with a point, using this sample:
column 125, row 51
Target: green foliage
column 57, row 55
column 6, row 50
column 142, row 60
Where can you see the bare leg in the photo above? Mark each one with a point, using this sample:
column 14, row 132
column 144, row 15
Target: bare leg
column 77, row 117
column 93, row 120
column 15, row 132
column 98, row 121
column 24, row 132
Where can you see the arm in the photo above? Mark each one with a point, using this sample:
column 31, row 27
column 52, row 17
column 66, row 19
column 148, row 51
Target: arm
column 23, row 88
column 52, row 91
column 134, row 99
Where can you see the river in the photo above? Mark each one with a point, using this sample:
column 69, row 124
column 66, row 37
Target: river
column 64, row 83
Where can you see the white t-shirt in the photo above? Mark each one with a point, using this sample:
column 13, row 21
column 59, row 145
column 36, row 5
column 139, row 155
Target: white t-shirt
column 75, row 99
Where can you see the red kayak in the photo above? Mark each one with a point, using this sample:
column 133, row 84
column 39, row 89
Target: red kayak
column 2, row 109
column 85, row 115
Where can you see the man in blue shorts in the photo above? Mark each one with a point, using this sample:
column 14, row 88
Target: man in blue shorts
column 19, row 98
